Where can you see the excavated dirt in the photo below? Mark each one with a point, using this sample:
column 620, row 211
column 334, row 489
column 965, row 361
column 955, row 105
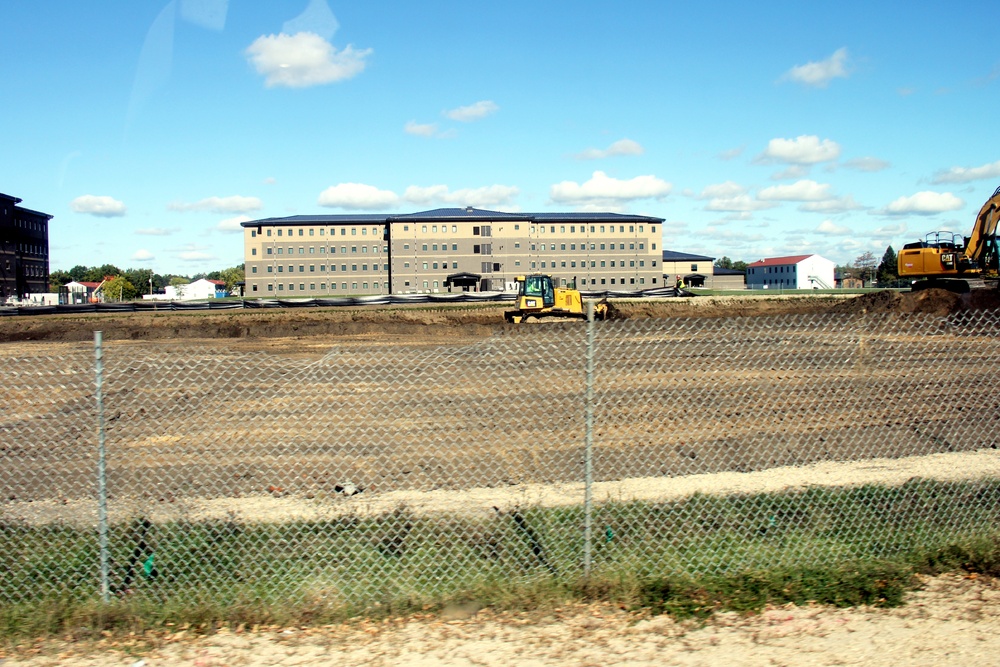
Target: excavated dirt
column 445, row 322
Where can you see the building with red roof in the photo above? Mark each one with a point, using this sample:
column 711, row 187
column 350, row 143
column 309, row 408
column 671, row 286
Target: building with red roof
column 792, row 272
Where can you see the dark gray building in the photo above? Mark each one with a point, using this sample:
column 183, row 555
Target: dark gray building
column 24, row 250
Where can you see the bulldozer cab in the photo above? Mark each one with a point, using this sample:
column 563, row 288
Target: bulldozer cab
column 538, row 286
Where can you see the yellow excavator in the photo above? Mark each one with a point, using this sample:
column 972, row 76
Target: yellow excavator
column 538, row 297
column 951, row 261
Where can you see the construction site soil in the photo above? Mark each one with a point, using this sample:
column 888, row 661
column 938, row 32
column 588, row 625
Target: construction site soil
column 437, row 322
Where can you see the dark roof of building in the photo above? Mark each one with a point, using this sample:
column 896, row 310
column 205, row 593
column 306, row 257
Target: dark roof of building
column 779, row 261
column 16, row 200
column 346, row 219
column 674, row 256
column 719, row 271
column 450, row 214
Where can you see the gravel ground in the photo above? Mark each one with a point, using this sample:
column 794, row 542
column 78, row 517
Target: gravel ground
column 952, row 621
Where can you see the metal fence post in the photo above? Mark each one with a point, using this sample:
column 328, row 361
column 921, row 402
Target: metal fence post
column 102, row 487
column 588, row 450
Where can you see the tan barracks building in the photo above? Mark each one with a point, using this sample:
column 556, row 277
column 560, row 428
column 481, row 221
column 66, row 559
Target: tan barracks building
column 450, row 249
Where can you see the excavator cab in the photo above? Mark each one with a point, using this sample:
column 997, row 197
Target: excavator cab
column 537, row 286
column 538, row 297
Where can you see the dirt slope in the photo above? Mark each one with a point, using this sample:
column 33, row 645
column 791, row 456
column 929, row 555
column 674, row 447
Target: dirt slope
column 447, row 321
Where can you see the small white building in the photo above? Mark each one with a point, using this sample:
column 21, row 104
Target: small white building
column 795, row 272
column 199, row 289
column 79, row 292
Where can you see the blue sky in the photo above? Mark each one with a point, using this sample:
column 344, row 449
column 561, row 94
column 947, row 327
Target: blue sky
column 150, row 129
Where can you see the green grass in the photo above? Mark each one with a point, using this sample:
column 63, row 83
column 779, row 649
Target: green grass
column 688, row 558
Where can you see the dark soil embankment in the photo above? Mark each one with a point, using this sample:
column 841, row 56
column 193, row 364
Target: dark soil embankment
column 930, row 302
column 453, row 321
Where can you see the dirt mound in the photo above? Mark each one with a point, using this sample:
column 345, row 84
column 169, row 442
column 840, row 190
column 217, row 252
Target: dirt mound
column 929, row 301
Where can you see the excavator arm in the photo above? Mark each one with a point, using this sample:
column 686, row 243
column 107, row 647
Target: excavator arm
column 984, row 229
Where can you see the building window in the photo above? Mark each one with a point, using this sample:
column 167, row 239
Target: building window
column 253, row 233
column 253, row 251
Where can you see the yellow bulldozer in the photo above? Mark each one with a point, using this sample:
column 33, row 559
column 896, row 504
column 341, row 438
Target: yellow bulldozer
column 951, row 261
column 538, row 297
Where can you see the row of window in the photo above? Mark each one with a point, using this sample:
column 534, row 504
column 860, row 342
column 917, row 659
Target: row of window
column 773, row 269
column 593, row 264
column 32, row 249
column 322, row 286
column 28, row 224
column 593, row 246
column 376, row 231
column 478, row 230
column 273, row 250
column 322, row 268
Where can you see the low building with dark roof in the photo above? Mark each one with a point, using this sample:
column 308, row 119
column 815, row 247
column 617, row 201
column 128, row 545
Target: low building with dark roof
column 448, row 249
column 699, row 271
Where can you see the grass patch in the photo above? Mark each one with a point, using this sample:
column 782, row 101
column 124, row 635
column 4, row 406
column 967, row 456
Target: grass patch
column 688, row 558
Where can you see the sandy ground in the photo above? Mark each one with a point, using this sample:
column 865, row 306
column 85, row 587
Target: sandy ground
column 952, row 621
column 950, row 466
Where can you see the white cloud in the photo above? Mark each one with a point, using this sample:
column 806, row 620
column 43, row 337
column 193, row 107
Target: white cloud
column 620, row 147
column 967, row 174
column 420, row 129
column 923, row 203
column 727, row 189
column 867, row 164
column 819, row 74
column 804, row 190
column 602, row 190
column 232, row 225
column 490, row 195
column 731, row 197
column 233, row 204
column 270, row 180
column 473, row 112
column 303, row 59
column 357, row 196
column 804, row 149
column 156, row 231
column 732, row 153
column 890, row 231
column 98, row 205
column 142, row 255
column 792, row 171
column 829, row 228
column 832, row 205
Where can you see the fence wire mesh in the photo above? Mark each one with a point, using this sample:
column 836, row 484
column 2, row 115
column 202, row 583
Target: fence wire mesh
column 379, row 468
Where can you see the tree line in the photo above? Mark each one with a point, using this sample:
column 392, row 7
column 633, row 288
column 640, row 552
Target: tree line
column 129, row 284
column 864, row 268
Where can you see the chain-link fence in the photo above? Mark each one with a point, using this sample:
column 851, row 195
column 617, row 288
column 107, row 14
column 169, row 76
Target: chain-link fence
column 376, row 468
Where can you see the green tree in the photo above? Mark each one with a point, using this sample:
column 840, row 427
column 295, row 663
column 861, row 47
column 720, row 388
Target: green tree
column 58, row 278
column 739, row 265
column 177, row 281
column 724, row 262
column 98, row 273
column 139, row 278
column 78, row 272
column 118, row 289
column 231, row 276
column 865, row 263
column 887, row 271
